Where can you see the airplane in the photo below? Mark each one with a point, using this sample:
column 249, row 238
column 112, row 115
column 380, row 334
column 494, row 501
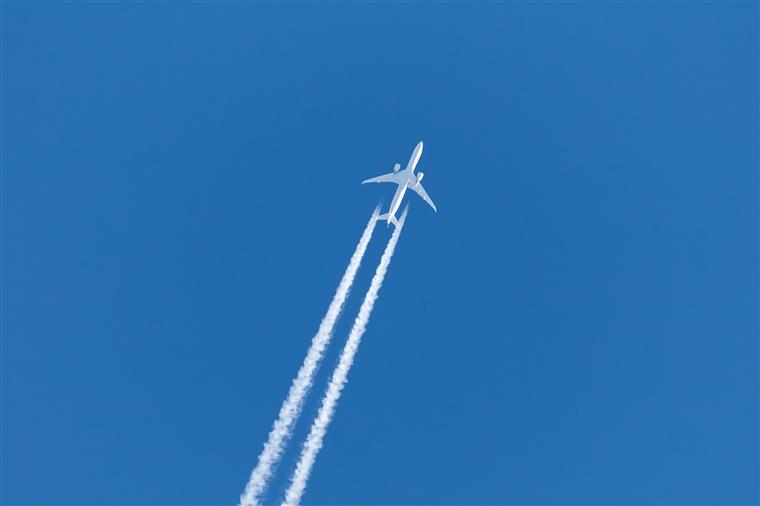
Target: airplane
column 405, row 179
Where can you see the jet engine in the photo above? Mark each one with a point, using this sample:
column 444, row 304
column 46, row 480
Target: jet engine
column 396, row 167
column 419, row 178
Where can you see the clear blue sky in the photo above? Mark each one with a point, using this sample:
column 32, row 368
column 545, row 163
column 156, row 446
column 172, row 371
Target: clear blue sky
column 577, row 325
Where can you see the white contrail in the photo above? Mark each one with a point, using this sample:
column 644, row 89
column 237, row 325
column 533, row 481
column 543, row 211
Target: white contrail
column 318, row 429
column 291, row 408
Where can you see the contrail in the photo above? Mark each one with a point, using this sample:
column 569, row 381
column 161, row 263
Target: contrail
column 291, row 408
column 318, row 429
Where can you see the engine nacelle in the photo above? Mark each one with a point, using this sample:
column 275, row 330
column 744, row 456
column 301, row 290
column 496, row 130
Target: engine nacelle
column 419, row 177
column 396, row 167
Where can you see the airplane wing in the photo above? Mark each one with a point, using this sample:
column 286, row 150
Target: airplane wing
column 393, row 177
column 422, row 193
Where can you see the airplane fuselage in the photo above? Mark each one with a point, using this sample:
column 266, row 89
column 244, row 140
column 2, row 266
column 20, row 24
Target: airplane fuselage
column 396, row 202
column 411, row 180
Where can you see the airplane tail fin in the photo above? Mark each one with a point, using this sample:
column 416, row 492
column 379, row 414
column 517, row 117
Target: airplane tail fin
column 384, row 217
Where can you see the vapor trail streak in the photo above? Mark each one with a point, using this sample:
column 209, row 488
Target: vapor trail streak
column 291, row 408
column 316, row 435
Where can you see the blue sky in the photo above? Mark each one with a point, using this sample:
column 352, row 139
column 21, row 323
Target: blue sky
column 577, row 325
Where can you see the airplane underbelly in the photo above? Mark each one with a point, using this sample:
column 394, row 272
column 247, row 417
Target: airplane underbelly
column 397, row 200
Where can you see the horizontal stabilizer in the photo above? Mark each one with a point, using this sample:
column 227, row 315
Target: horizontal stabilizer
column 384, row 217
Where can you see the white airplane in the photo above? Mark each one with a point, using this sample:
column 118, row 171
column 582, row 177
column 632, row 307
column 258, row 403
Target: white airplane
column 404, row 179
